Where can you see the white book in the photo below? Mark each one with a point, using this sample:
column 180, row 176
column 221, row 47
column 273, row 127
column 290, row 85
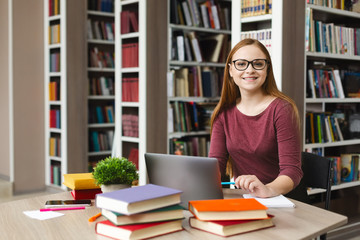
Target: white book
column 338, row 83
column 187, row 13
column 180, row 48
column 89, row 28
column 104, row 88
column 215, row 16
column 170, row 83
column 327, row 129
column 337, row 126
column 205, row 17
column 311, row 82
column 273, row 202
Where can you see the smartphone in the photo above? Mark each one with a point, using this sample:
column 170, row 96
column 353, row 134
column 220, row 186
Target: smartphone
column 68, row 203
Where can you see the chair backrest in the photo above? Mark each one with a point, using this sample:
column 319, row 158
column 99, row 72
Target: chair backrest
column 317, row 173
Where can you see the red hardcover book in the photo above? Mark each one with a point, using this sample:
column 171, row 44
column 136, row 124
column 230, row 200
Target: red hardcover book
column 85, row 193
column 137, row 231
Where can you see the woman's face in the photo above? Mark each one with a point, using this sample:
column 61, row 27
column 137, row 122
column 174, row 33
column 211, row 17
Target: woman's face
column 248, row 79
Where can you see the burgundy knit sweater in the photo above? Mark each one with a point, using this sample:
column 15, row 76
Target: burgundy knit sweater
column 266, row 145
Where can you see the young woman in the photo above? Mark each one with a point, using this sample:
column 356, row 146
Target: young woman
column 255, row 128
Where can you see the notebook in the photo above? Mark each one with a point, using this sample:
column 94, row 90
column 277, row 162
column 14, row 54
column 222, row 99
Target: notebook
column 197, row 177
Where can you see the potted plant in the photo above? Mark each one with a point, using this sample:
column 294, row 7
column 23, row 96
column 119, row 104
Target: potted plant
column 114, row 173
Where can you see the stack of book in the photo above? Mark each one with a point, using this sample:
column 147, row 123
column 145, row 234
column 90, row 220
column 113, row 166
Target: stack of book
column 83, row 185
column 139, row 212
column 226, row 217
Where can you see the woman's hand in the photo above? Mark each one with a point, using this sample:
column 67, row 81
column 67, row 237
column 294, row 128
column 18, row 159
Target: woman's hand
column 252, row 184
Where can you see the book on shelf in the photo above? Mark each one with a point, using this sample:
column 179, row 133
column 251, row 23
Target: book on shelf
column 130, row 55
column 137, row 231
column 227, row 209
column 134, row 157
column 212, row 46
column 352, row 84
column 138, row 199
column 349, row 167
column 336, row 166
column 85, row 193
column 80, row 181
column 231, row 227
column 101, row 5
column 157, row 215
column 129, row 22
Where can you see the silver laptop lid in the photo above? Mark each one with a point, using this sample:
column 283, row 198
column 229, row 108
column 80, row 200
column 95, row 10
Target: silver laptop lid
column 198, row 177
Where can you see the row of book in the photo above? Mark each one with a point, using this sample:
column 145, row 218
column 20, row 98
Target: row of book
column 54, row 118
column 194, row 82
column 55, row 62
column 54, row 91
column 101, row 59
column 130, row 125
column 101, row 140
column 190, row 146
column 323, row 127
column 325, row 82
column 55, row 146
column 190, row 46
column 101, row 114
column 54, row 7
column 263, row 35
column 255, row 7
column 130, row 55
column 129, row 21
column 189, row 116
column 330, row 38
column 101, row 86
column 55, row 173
column 130, row 89
column 54, row 34
column 130, row 212
column 208, row 14
column 339, row 4
column 139, row 212
column 346, row 168
column 100, row 30
column 101, row 5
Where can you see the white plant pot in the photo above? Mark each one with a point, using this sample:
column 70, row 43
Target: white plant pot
column 113, row 187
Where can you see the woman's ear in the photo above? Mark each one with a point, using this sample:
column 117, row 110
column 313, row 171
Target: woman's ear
column 230, row 69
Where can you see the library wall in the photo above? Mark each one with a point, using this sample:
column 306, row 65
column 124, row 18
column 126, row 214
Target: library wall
column 28, row 97
column 4, row 92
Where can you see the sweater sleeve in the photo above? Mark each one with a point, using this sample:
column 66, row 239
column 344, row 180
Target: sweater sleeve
column 288, row 138
column 218, row 148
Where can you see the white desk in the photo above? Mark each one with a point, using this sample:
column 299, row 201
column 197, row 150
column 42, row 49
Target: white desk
column 303, row 222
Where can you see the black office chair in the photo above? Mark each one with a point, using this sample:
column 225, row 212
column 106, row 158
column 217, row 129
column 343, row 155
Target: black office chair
column 317, row 174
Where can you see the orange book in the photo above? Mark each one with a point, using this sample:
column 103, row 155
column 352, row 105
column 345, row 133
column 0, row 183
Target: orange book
column 227, row 209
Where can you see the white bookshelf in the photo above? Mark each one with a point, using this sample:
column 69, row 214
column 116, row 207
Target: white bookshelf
column 70, row 133
column 60, row 104
column 103, row 44
column 338, row 17
column 124, row 144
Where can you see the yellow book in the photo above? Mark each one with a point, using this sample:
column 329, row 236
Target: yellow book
column 80, row 181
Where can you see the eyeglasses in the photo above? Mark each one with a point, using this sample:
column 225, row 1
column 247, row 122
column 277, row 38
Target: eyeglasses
column 257, row 64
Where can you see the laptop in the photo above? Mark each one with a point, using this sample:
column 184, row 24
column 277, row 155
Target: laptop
column 198, row 177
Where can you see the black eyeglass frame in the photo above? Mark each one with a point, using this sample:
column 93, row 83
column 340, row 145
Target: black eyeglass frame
column 251, row 62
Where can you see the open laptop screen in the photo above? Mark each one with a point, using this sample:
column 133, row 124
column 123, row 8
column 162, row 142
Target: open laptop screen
column 197, row 177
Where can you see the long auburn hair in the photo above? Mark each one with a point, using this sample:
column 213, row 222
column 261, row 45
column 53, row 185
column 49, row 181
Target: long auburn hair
column 230, row 92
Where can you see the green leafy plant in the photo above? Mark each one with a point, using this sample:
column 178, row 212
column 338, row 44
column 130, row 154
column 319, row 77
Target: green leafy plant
column 113, row 170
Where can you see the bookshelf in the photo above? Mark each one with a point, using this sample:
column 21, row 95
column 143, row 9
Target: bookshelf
column 330, row 57
column 64, row 135
column 195, row 29
column 140, row 91
column 100, row 29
